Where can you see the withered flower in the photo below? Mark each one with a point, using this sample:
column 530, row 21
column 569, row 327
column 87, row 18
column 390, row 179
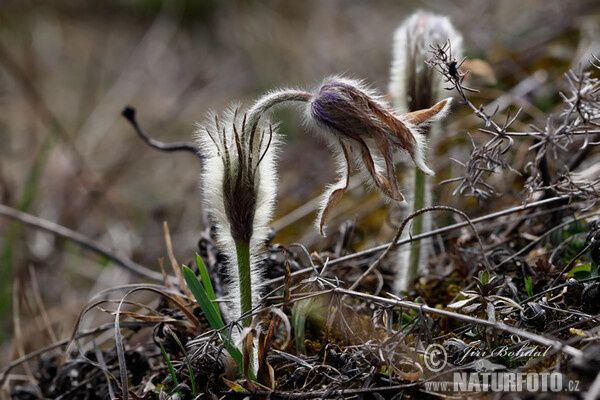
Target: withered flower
column 364, row 128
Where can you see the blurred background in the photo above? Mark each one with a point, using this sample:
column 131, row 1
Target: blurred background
column 68, row 68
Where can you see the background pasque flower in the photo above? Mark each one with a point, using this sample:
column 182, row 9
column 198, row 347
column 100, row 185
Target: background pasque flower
column 414, row 86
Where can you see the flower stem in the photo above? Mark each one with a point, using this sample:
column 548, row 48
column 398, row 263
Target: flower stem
column 242, row 249
column 418, row 203
column 273, row 99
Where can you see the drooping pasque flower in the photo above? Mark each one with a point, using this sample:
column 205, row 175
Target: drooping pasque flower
column 362, row 129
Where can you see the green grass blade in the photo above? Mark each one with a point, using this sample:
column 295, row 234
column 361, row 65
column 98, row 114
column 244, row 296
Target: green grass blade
column 299, row 323
column 214, row 319
column 187, row 361
column 206, row 282
column 528, row 286
column 171, row 370
column 11, row 241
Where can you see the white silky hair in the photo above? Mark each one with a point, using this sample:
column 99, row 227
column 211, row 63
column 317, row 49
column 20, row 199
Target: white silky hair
column 215, row 142
column 354, row 153
column 432, row 30
column 343, row 172
column 333, row 142
column 414, row 38
column 421, row 145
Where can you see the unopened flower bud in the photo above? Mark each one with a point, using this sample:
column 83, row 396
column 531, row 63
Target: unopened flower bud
column 413, row 85
column 239, row 183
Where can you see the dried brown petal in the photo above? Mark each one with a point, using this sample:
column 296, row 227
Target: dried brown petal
column 337, row 190
column 420, row 116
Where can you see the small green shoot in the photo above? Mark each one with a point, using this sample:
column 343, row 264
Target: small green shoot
column 312, row 311
column 484, row 277
column 171, row 370
column 206, row 282
column 299, row 323
column 212, row 315
column 528, row 286
column 187, row 361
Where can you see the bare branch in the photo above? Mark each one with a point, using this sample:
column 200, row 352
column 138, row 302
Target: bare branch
column 449, row 228
column 543, row 340
column 129, row 114
column 82, row 240
column 395, row 242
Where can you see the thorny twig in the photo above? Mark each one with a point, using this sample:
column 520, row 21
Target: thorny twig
column 543, row 340
column 548, row 232
column 395, row 242
column 581, row 117
column 392, row 302
column 449, row 228
column 556, row 345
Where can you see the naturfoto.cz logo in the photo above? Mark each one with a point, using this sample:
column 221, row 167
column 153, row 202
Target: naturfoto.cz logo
column 489, row 376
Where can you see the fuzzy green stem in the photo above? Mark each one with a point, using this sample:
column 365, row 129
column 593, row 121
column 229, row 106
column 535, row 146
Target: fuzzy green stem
column 417, row 229
column 242, row 250
column 271, row 100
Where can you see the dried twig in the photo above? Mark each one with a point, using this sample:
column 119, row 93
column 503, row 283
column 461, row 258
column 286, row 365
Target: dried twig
column 449, row 228
column 319, row 394
column 543, row 340
column 4, row 373
column 129, row 114
column 581, row 117
column 82, row 240
column 570, row 265
column 40, row 304
column 395, row 242
column 174, row 264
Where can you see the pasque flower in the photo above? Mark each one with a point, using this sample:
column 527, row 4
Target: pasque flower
column 239, row 173
column 413, row 86
column 364, row 130
column 239, row 183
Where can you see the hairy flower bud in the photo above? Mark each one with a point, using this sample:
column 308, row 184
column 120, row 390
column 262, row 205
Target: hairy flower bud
column 413, row 85
column 239, row 183
column 363, row 127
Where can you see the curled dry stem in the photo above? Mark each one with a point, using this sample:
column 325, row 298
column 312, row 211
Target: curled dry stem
column 395, row 242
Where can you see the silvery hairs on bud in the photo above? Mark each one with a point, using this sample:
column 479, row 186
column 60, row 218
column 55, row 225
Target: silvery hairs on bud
column 361, row 127
column 239, row 186
column 414, row 86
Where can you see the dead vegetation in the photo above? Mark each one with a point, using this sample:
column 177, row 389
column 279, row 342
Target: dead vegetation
column 511, row 284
